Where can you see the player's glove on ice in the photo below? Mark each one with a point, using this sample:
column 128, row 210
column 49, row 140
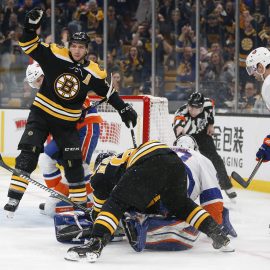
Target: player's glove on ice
column 128, row 114
column 264, row 150
column 33, row 19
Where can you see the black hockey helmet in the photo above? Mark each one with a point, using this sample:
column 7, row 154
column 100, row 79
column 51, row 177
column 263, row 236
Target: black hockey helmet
column 80, row 37
column 101, row 157
column 196, row 100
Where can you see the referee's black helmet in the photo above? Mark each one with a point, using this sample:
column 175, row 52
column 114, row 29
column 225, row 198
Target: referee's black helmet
column 196, row 100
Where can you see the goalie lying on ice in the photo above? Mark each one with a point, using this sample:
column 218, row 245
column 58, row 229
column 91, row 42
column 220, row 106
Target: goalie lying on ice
column 135, row 179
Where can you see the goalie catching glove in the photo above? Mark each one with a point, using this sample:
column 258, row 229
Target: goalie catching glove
column 33, row 19
column 128, row 114
column 72, row 227
column 264, row 150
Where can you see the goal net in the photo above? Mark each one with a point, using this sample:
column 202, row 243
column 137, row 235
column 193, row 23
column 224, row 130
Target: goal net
column 153, row 123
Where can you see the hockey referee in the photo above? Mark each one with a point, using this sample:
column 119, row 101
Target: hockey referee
column 196, row 118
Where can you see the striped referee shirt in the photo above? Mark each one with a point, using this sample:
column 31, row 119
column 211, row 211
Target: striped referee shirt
column 194, row 125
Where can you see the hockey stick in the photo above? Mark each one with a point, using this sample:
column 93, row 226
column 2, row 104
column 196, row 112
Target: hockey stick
column 55, row 194
column 241, row 181
column 106, row 98
column 132, row 135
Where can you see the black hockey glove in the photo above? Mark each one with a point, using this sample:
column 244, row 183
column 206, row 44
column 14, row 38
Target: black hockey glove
column 128, row 114
column 33, row 19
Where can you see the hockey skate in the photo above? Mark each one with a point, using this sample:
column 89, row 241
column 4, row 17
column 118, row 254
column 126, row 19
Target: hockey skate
column 11, row 207
column 89, row 252
column 221, row 241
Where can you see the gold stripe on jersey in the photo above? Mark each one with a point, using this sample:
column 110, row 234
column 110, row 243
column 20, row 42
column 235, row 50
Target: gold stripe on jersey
column 98, row 200
column 153, row 201
column 57, row 105
column 31, row 49
column 18, row 183
column 29, row 46
column 197, row 216
column 193, row 213
column 117, row 161
column 95, row 70
column 17, row 188
column 82, row 199
column 143, row 145
column 144, row 150
column 105, row 224
column 201, row 219
column 60, row 52
column 77, row 190
column 98, row 203
column 108, row 220
column 20, row 179
column 30, row 42
column 78, row 194
column 55, row 109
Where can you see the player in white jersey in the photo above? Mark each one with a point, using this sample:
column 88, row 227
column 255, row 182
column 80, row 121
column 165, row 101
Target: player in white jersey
column 258, row 65
column 202, row 177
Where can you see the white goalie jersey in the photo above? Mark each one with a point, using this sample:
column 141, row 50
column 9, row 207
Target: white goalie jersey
column 202, row 182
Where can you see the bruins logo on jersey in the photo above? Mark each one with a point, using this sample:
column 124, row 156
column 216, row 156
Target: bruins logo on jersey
column 67, row 86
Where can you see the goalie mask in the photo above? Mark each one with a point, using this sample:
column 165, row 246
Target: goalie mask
column 186, row 142
column 33, row 72
column 261, row 56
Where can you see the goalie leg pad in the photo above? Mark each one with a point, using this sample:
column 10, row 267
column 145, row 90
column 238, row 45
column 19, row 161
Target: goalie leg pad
column 72, row 227
column 170, row 234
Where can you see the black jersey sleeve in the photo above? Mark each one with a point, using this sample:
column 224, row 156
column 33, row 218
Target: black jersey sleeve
column 32, row 46
column 104, row 179
column 101, row 88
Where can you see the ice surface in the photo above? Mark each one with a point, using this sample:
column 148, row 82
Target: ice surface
column 28, row 241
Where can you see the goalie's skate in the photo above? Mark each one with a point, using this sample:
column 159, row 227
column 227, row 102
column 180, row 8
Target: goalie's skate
column 88, row 252
column 11, row 207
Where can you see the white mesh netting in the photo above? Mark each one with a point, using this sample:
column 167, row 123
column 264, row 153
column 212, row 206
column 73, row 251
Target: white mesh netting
column 153, row 123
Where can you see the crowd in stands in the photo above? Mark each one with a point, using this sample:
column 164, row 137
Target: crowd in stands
column 130, row 46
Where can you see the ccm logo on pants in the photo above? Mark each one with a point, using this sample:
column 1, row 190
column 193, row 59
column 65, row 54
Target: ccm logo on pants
column 72, row 149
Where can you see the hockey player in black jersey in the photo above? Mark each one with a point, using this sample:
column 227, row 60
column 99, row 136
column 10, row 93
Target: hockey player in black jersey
column 137, row 179
column 57, row 107
column 196, row 118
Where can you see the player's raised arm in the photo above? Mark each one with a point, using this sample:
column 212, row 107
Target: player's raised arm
column 125, row 110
